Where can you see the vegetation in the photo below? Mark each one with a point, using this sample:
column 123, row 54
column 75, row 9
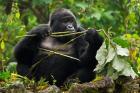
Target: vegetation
column 117, row 20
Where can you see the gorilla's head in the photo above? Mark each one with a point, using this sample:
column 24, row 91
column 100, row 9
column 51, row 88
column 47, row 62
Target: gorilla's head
column 62, row 20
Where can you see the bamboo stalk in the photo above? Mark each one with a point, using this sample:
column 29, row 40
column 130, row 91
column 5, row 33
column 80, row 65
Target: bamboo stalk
column 26, row 35
column 73, row 39
column 59, row 34
column 67, row 34
column 51, row 51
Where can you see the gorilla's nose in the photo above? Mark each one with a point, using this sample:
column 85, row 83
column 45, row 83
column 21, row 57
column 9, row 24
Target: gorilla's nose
column 70, row 27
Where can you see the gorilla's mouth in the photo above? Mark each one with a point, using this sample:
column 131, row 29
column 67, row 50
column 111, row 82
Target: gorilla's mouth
column 64, row 34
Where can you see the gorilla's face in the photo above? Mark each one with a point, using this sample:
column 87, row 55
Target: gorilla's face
column 67, row 23
column 61, row 21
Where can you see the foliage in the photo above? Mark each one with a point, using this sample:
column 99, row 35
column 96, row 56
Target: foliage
column 115, row 59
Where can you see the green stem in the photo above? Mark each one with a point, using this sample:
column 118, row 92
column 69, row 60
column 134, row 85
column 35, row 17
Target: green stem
column 54, row 52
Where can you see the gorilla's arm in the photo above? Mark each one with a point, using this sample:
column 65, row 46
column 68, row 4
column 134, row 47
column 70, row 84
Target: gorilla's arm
column 26, row 50
column 88, row 59
column 95, row 41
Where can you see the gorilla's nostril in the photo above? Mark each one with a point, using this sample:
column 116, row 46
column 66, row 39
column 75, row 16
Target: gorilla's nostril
column 70, row 27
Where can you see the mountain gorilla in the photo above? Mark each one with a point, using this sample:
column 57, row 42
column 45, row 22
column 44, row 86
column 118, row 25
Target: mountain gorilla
column 34, row 62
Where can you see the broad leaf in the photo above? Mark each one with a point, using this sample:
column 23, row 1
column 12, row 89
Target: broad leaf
column 118, row 63
column 101, row 57
column 101, row 54
column 111, row 54
column 122, row 51
column 128, row 71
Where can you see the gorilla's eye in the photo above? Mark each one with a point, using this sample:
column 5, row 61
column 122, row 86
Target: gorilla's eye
column 65, row 20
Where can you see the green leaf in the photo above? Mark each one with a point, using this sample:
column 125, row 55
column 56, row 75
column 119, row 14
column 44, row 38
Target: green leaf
column 128, row 71
column 111, row 54
column 82, row 5
column 101, row 54
column 2, row 45
column 108, row 14
column 17, row 15
column 122, row 51
column 71, row 1
column 101, row 57
column 121, row 42
column 97, row 15
column 4, row 75
column 118, row 63
column 121, row 65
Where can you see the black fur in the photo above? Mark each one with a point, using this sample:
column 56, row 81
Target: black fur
column 34, row 63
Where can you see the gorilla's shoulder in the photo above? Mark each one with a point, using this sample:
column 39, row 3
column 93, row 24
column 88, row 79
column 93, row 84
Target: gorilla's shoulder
column 41, row 27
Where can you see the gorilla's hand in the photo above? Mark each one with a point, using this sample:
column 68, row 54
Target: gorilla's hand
column 91, row 35
column 93, row 38
column 40, row 32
